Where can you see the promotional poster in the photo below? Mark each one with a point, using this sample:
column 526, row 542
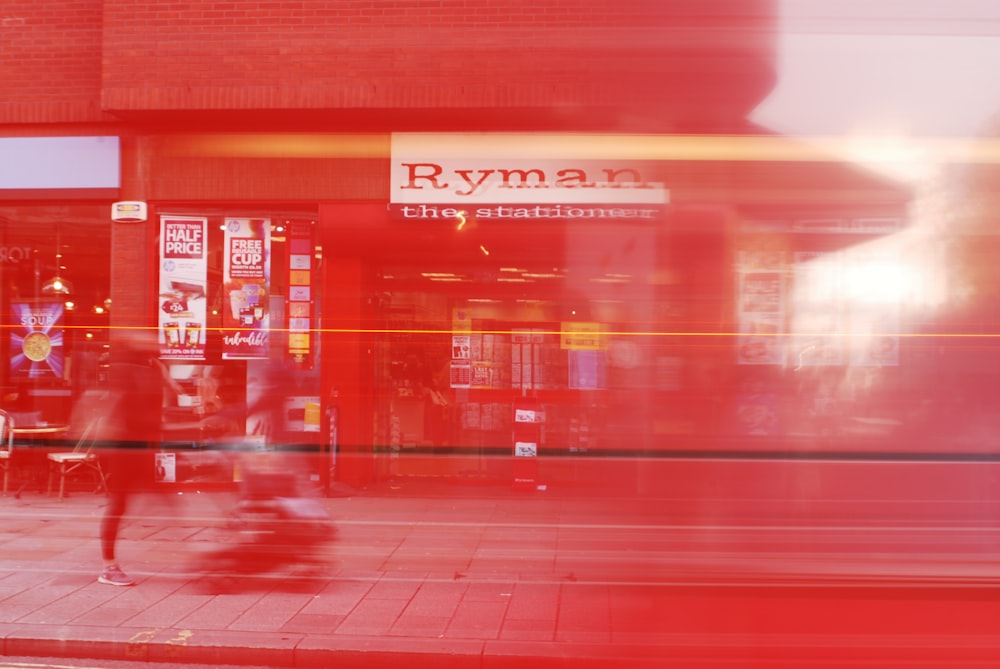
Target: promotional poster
column 761, row 317
column 246, row 288
column 182, row 297
column 36, row 341
column 301, row 347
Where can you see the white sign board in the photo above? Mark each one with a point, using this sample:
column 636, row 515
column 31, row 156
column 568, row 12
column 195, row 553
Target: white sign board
column 31, row 163
column 509, row 175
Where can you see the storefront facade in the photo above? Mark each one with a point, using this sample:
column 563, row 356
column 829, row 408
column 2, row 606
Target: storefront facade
column 456, row 273
column 506, row 306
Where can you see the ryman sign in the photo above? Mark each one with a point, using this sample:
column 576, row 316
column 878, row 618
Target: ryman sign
column 502, row 176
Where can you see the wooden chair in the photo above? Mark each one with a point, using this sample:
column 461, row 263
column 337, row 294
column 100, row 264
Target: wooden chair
column 82, row 457
column 6, row 445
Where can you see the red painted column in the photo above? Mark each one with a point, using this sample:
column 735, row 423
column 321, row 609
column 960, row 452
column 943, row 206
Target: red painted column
column 346, row 360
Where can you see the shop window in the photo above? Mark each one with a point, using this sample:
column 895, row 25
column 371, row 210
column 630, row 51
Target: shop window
column 238, row 317
column 55, row 299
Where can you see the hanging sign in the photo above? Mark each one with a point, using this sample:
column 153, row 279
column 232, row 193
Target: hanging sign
column 575, row 336
column 182, row 298
column 246, row 277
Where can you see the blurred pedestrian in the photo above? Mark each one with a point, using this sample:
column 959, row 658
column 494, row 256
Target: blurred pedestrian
column 131, row 423
column 269, row 384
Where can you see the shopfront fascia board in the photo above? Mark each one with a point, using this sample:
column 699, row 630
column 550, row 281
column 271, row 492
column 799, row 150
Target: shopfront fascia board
column 739, row 170
column 511, row 176
column 60, row 167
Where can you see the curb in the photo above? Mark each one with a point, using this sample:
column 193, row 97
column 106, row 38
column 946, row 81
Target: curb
column 310, row 651
column 720, row 651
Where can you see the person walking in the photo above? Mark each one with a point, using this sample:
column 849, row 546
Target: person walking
column 132, row 422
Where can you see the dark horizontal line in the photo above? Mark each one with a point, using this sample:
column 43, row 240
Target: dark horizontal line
column 714, row 454
column 499, row 452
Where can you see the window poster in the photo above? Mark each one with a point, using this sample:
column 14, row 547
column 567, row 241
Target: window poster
column 461, row 374
column 182, row 295
column 761, row 317
column 36, row 341
column 875, row 340
column 587, row 369
column 301, row 346
column 820, row 320
column 246, row 288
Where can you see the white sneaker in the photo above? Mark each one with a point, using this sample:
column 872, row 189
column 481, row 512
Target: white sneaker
column 114, row 575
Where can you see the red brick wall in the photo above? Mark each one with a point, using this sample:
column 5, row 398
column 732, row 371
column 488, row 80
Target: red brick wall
column 71, row 61
column 413, row 54
column 50, row 61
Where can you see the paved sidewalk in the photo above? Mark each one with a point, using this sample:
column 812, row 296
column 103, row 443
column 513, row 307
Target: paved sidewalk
column 451, row 576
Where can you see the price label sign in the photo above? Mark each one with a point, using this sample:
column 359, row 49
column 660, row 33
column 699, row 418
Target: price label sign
column 525, row 416
column 525, row 449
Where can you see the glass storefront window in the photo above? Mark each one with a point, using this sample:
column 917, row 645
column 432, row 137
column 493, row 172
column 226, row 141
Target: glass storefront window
column 228, row 396
column 558, row 320
column 55, row 293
